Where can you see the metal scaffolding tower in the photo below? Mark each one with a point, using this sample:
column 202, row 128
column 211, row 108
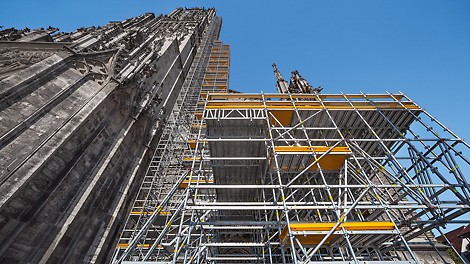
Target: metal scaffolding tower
column 295, row 177
column 148, row 229
column 333, row 177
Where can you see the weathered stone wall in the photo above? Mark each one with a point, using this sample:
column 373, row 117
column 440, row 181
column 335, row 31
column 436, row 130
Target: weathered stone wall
column 78, row 126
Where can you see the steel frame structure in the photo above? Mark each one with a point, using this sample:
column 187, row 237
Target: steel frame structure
column 301, row 178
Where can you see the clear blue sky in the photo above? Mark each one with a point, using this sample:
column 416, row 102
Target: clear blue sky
column 420, row 47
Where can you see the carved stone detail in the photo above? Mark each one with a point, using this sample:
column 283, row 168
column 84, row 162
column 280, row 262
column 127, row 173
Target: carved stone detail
column 13, row 58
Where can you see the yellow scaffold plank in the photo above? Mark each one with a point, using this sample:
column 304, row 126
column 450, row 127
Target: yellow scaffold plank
column 149, row 213
column 204, row 95
column 184, row 184
column 197, row 125
column 191, row 158
column 192, row 143
column 317, row 149
column 398, row 97
column 309, row 105
column 309, row 238
column 212, row 76
column 198, row 115
column 281, row 117
column 326, row 226
column 332, row 161
column 213, row 83
column 146, row 246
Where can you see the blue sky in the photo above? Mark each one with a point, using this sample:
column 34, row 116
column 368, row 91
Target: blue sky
column 419, row 47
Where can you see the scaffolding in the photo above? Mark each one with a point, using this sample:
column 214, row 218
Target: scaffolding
column 294, row 178
column 148, row 227
column 304, row 178
column 301, row 178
